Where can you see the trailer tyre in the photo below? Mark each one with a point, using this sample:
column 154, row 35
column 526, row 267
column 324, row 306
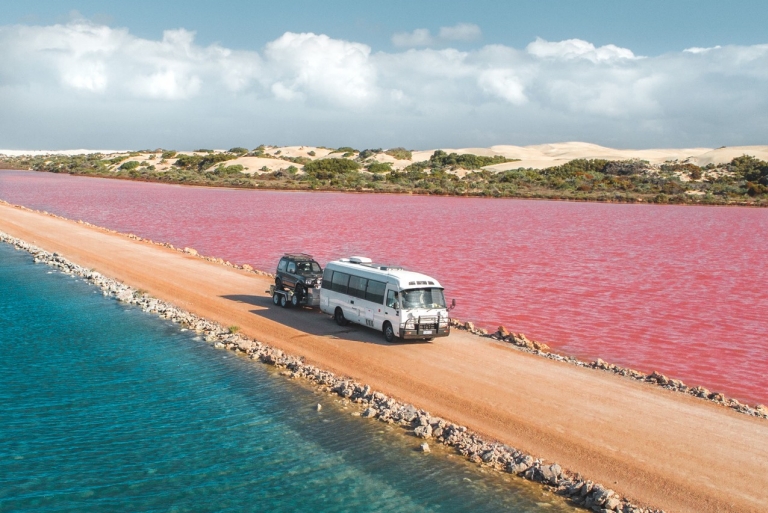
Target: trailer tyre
column 295, row 301
column 283, row 300
column 276, row 298
column 339, row 316
column 389, row 333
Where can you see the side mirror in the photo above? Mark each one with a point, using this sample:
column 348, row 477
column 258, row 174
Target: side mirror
column 453, row 304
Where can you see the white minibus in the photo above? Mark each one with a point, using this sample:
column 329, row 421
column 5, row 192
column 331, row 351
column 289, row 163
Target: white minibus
column 400, row 303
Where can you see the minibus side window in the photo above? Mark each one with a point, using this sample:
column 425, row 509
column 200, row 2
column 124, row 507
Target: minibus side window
column 375, row 291
column 340, row 281
column 357, row 286
column 327, row 278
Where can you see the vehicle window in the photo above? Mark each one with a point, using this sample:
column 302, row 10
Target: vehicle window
column 339, row 282
column 357, row 286
column 304, row 267
column 327, row 278
column 423, row 298
column 375, row 291
column 392, row 299
column 282, row 264
column 292, row 267
column 316, row 267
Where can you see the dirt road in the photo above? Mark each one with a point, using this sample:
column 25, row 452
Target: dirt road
column 656, row 447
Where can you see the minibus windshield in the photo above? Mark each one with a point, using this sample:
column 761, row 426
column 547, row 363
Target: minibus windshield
column 423, row 298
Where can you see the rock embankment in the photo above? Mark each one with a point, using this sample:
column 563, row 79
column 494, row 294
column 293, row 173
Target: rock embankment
column 523, row 343
column 372, row 404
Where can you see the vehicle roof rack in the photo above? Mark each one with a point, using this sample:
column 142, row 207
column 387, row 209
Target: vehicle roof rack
column 299, row 256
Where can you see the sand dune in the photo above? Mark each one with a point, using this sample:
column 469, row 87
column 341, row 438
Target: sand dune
column 536, row 156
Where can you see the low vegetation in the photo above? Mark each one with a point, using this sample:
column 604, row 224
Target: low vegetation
column 744, row 180
column 400, row 153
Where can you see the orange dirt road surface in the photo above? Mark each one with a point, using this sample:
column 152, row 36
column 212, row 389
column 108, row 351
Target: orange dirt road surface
column 656, row 447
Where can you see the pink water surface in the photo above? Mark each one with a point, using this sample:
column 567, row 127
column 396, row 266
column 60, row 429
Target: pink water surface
column 681, row 290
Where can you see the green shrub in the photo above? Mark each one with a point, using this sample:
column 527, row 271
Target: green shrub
column 368, row 153
column 440, row 159
column 752, row 169
column 344, row 149
column 203, row 150
column 626, row 167
column 131, row 164
column 311, row 153
column 400, row 153
column 379, row 167
column 238, row 150
column 168, row 154
column 200, row 162
column 328, row 168
column 229, row 170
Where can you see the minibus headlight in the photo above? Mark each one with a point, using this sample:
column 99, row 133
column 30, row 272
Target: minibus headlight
column 410, row 324
column 443, row 322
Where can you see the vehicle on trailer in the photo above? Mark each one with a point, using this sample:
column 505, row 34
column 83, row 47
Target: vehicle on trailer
column 298, row 272
column 297, row 281
column 400, row 303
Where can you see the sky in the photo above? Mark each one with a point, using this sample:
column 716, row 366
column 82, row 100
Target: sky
column 418, row 74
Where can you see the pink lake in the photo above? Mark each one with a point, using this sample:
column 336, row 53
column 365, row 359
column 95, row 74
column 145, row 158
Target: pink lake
column 681, row 290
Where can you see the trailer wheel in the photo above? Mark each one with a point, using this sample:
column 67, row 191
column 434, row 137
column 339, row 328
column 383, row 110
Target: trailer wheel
column 389, row 333
column 283, row 300
column 295, row 301
column 339, row 316
column 276, row 298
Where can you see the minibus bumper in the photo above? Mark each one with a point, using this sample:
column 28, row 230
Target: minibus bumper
column 422, row 334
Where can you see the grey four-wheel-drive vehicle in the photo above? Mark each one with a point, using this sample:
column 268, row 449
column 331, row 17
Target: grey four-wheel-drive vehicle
column 298, row 273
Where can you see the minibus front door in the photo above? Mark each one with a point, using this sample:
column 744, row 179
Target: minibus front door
column 392, row 309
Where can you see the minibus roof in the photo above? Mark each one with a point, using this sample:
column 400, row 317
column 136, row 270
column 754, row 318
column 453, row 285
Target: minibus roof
column 404, row 279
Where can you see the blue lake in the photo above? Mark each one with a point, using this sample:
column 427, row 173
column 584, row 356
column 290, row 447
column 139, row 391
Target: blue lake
column 106, row 408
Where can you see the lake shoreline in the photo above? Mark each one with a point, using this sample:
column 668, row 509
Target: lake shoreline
column 648, row 199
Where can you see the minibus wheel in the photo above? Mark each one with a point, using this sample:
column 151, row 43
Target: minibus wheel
column 389, row 333
column 339, row 316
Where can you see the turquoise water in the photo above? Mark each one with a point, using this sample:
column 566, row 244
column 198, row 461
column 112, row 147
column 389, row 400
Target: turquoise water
column 106, row 408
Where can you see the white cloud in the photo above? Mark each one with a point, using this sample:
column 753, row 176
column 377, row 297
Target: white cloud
column 419, row 37
column 330, row 70
column 423, row 37
column 696, row 49
column 311, row 88
column 461, row 32
column 577, row 49
column 504, row 84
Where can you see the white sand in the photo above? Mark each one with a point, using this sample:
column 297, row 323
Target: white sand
column 536, row 156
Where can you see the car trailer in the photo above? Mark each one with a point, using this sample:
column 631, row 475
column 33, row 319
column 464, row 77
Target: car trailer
column 286, row 298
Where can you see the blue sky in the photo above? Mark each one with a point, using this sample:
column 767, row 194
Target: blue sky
column 397, row 73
